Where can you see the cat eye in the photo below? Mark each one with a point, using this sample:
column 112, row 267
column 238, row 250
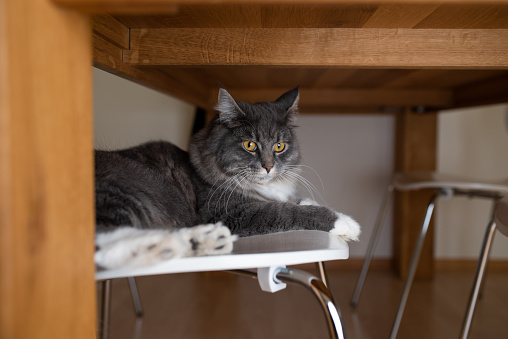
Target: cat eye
column 250, row 145
column 279, row 147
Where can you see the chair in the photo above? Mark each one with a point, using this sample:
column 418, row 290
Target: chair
column 264, row 257
column 445, row 186
column 499, row 222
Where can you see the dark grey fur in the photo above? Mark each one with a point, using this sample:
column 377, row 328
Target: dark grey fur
column 157, row 185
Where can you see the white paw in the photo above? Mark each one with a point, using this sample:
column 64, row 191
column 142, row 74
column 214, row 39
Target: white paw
column 210, row 239
column 308, row 202
column 130, row 247
column 346, row 228
column 134, row 247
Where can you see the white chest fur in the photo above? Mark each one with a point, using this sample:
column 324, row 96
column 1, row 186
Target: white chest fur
column 275, row 190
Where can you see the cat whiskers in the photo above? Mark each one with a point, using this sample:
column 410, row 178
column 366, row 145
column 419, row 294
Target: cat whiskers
column 293, row 172
column 304, row 182
column 312, row 169
column 213, row 191
column 239, row 182
column 226, row 185
column 231, row 181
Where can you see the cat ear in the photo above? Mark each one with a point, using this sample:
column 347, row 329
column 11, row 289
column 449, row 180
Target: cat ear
column 289, row 102
column 227, row 107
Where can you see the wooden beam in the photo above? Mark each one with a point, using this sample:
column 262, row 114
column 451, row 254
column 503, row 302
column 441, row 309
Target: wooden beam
column 320, row 47
column 154, row 6
column 121, row 6
column 415, row 149
column 399, row 16
column 107, row 56
column 336, row 98
column 494, row 91
column 47, row 285
column 111, row 40
column 110, row 29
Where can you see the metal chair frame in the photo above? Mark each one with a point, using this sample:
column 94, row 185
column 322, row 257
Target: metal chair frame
column 445, row 187
column 499, row 222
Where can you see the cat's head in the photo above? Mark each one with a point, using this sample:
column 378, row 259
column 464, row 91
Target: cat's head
column 251, row 146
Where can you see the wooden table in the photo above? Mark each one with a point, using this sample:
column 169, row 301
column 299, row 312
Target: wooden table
column 384, row 57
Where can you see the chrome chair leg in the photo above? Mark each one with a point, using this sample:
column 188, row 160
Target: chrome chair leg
column 316, row 286
column 478, row 279
column 372, row 246
column 321, row 268
column 414, row 263
column 135, row 297
column 482, row 283
column 105, row 309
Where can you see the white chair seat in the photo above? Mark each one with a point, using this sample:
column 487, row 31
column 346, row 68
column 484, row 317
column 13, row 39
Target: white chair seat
column 421, row 180
column 276, row 249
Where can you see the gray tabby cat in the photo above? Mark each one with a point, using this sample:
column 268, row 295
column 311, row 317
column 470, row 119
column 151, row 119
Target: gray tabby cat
column 238, row 179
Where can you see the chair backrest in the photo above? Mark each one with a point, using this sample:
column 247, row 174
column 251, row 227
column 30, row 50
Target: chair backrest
column 501, row 216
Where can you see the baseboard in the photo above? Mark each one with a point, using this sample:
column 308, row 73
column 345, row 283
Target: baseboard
column 495, row 265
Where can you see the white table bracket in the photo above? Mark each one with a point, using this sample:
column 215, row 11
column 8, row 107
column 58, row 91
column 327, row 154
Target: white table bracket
column 268, row 281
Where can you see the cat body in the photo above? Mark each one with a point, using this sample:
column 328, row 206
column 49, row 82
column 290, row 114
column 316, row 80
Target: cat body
column 239, row 179
column 149, row 186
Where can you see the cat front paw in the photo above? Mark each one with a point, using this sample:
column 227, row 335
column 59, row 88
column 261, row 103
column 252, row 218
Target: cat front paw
column 346, row 227
column 131, row 247
column 210, row 239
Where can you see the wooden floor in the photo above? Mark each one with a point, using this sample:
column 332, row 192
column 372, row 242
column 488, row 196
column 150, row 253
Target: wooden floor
column 221, row 305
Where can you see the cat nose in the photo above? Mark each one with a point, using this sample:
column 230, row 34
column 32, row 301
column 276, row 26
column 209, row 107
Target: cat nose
column 268, row 168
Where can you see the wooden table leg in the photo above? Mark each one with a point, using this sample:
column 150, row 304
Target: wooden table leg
column 47, row 287
column 415, row 150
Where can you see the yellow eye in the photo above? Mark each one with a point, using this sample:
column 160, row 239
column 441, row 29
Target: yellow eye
column 250, row 145
column 279, row 147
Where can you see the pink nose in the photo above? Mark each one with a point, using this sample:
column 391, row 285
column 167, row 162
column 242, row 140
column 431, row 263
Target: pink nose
column 268, row 168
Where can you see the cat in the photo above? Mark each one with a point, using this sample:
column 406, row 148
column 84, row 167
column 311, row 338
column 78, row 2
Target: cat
column 239, row 178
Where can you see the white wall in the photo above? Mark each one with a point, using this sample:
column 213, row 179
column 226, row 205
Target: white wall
column 127, row 114
column 354, row 158
column 473, row 143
